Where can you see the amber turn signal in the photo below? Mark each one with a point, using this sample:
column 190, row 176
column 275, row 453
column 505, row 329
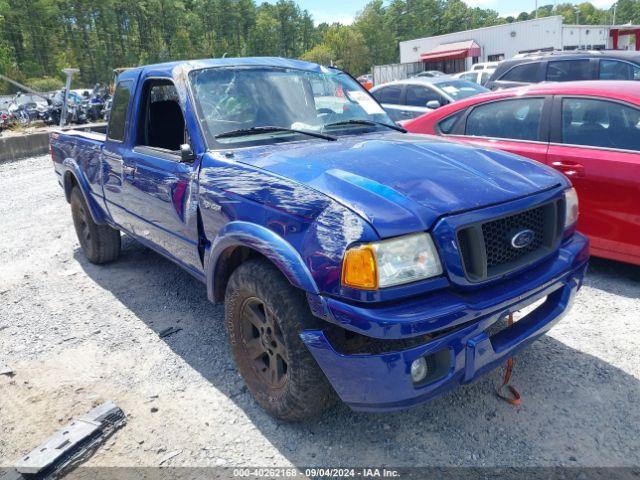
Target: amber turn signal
column 359, row 268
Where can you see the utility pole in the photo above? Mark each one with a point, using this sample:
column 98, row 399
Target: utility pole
column 69, row 72
column 536, row 9
column 579, row 30
column 615, row 6
column 23, row 87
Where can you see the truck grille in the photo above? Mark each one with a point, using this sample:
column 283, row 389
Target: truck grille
column 502, row 245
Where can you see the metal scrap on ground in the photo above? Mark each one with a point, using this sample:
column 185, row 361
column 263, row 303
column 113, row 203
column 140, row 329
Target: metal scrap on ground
column 168, row 331
column 73, row 443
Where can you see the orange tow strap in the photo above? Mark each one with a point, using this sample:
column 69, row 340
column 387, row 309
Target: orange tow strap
column 514, row 398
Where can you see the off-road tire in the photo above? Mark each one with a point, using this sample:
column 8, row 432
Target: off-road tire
column 303, row 391
column 99, row 243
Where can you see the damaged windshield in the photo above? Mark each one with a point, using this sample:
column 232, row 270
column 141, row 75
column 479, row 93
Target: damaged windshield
column 257, row 105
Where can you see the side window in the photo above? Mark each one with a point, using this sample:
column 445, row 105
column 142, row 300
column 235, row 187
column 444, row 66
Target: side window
column 513, row 119
column 161, row 123
column 446, row 126
column 569, row 70
column 418, row 96
column 390, row 94
column 526, row 73
column 484, row 78
column 600, row 123
column 615, row 70
column 470, row 77
column 119, row 109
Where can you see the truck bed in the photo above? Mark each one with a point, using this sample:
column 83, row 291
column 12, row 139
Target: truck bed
column 81, row 150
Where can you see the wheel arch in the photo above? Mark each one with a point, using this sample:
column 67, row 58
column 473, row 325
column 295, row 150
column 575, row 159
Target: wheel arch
column 241, row 241
column 72, row 176
column 68, row 182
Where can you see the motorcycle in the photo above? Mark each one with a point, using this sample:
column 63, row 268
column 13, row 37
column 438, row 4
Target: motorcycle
column 97, row 103
column 6, row 120
column 51, row 116
column 18, row 111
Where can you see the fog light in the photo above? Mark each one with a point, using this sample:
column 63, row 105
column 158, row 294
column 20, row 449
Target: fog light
column 419, row 370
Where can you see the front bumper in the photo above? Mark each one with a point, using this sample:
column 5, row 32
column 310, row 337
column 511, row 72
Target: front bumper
column 382, row 382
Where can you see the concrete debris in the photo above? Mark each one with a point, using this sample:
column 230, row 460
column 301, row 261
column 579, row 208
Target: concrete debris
column 5, row 370
column 73, row 443
column 169, row 331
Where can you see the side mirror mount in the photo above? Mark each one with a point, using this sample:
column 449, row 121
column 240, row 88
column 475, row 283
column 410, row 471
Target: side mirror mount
column 186, row 153
column 433, row 104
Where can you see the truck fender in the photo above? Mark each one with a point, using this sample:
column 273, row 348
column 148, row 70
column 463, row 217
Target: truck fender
column 71, row 168
column 265, row 242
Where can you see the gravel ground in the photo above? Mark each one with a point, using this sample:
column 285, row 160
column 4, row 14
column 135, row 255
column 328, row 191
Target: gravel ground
column 77, row 334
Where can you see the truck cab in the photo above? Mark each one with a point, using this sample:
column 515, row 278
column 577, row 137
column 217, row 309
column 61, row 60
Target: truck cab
column 354, row 260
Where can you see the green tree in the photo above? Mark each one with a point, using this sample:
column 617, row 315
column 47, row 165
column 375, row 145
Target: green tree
column 264, row 36
column 321, row 54
column 379, row 38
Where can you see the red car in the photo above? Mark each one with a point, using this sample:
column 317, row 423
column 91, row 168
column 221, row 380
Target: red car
column 590, row 131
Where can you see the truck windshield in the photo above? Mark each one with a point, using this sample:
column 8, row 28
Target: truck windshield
column 245, row 105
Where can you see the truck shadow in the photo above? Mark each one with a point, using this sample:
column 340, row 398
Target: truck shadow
column 576, row 407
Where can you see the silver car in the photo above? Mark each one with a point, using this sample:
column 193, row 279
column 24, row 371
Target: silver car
column 406, row 99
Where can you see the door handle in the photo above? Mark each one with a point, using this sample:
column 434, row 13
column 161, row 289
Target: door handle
column 570, row 169
column 127, row 170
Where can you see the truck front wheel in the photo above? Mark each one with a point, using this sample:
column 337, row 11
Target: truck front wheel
column 99, row 243
column 264, row 316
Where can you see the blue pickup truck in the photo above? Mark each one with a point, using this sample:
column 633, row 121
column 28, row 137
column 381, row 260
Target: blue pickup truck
column 355, row 260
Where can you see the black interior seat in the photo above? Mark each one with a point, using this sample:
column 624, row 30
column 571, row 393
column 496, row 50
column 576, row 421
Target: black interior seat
column 592, row 132
column 166, row 125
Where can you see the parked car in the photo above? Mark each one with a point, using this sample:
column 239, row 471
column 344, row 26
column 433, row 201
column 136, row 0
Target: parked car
column 429, row 74
column 366, row 81
column 353, row 258
column 485, row 66
column 476, row 76
column 406, row 99
column 590, row 131
column 565, row 67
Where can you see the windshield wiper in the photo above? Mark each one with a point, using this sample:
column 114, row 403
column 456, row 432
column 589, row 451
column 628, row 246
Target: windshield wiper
column 366, row 122
column 267, row 129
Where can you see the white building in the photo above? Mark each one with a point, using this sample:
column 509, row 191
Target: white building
column 456, row 52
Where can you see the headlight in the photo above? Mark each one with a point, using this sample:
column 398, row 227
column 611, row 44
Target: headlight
column 391, row 262
column 571, row 207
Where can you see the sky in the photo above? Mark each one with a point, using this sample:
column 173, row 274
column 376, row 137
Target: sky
column 344, row 11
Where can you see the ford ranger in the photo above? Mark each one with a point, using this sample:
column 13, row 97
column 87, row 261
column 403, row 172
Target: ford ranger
column 354, row 260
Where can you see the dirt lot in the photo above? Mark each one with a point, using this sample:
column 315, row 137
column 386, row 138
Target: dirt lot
column 77, row 334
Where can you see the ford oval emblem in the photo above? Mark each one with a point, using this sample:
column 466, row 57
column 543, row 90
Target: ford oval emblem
column 522, row 239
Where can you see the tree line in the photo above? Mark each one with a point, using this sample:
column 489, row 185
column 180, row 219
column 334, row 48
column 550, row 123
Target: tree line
column 39, row 37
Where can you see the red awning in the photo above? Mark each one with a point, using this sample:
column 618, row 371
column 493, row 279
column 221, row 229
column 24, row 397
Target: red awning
column 452, row 51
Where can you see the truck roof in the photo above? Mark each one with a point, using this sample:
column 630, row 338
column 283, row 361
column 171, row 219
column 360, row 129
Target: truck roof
column 188, row 65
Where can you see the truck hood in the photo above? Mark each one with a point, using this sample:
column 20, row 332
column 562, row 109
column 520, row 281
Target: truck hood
column 402, row 183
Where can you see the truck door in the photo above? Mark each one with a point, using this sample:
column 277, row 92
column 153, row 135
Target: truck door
column 115, row 171
column 159, row 190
